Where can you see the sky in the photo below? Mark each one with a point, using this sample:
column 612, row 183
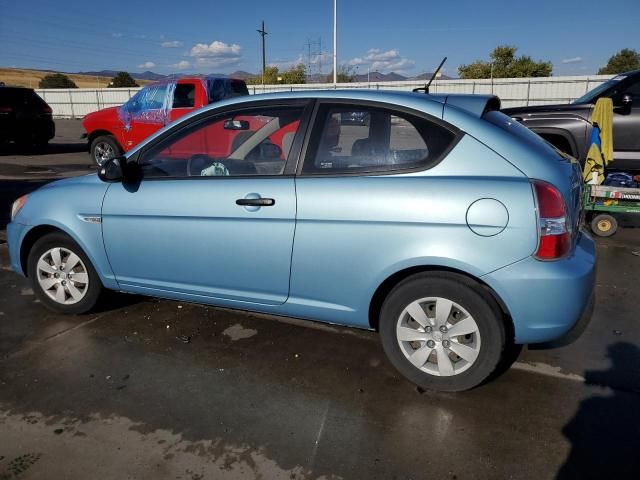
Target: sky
column 219, row 36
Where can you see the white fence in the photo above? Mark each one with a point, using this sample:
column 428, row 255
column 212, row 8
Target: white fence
column 77, row 102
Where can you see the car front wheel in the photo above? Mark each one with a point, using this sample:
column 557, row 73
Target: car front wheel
column 62, row 276
column 441, row 333
column 104, row 148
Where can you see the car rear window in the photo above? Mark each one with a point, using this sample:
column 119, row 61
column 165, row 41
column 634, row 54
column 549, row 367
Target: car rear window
column 514, row 127
column 221, row 88
column 15, row 97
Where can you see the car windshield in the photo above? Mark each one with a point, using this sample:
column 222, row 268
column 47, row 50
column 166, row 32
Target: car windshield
column 592, row 95
column 149, row 98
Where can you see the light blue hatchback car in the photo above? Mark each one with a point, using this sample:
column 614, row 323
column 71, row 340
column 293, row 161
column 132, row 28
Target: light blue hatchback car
column 436, row 220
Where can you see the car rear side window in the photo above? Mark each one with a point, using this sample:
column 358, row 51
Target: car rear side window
column 16, row 97
column 350, row 139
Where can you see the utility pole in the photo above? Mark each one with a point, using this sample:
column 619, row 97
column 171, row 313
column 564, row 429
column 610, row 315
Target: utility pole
column 335, row 42
column 263, row 33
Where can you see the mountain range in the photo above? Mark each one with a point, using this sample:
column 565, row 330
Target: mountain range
column 316, row 78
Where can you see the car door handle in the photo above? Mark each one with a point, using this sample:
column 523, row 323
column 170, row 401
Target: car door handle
column 256, row 202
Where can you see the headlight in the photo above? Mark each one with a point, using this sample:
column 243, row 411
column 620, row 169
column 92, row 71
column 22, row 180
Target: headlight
column 17, row 206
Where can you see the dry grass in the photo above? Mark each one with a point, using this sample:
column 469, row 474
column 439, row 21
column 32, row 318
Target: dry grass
column 31, row 78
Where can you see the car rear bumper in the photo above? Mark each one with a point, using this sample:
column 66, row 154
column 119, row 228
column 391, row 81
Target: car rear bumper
column 548, row 300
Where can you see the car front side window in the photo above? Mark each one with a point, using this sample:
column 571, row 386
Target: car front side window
column 241, row 143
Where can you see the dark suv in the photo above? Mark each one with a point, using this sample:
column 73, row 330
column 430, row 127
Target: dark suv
column 568, row 127
column 25, row 118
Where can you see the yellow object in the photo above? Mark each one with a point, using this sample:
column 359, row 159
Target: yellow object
column 594, row 163
column 603, row 117
column 599, row 157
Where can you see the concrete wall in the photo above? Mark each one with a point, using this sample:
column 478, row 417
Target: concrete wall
column 77, row 102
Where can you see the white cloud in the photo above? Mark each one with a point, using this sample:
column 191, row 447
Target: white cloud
column 171, row 44
column 216, row 54
column 572, row 60
column 383, row 61
column 117, row 35
column 147, row 65
column 181, row 65
column 216, row 49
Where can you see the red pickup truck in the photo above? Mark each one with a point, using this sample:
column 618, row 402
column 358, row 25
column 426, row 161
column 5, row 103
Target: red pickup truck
column 115, row 130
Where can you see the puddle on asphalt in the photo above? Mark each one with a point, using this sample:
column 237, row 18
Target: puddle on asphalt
column 113, row 445
column 238, row 332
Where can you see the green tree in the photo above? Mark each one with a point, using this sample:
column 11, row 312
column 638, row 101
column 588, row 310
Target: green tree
column 56, row 80
column 346, row 74
column 270, row 77
column 296, row 74
column 625, row 60
column 505, row 64
column 123, row 79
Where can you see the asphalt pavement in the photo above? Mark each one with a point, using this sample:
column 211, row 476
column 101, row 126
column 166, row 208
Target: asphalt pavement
column 155, row 389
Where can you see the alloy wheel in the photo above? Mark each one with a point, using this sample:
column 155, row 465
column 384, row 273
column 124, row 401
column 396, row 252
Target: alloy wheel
column 62, row 275
column 438, row 336
column 103, row 152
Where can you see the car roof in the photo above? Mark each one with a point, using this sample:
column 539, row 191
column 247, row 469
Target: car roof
column 14, row 87
column 432, row 104
column 164, row 81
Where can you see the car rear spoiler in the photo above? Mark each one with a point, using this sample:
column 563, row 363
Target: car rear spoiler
column 478, row 105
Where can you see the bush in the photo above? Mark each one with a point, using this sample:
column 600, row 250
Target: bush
column 56, row 80
column 123, row 79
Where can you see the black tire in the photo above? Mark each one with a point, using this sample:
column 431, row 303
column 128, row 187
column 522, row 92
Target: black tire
column 485, row 312
column 99, row 142
column 93, row 290
column 604, row 225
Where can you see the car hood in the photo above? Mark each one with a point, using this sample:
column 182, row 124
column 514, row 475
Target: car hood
column 91, row 178
column 582, row 110
column 110, row 113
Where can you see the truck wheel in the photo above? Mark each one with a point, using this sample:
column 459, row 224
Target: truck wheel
column 103, row 148
column 604, row 225
column 442, row 334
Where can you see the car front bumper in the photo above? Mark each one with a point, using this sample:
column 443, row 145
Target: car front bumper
column 548, row 300
column 15, row 235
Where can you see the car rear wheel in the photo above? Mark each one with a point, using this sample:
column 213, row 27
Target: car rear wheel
column 441, row 333
column 103, row 148
column 62, row 276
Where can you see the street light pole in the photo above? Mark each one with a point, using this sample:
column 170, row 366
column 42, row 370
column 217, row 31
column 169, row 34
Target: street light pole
column 335, row 42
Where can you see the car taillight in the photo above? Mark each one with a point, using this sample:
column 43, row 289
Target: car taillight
column 47, row 109
column 6, row 110
column 555, row 235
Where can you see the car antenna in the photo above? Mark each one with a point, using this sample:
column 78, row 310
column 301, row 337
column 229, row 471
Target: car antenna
column 425, row 89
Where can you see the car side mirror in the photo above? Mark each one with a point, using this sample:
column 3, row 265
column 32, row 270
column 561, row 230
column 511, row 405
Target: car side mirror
column 112, row 171
column 236, row 125
column 624, row 100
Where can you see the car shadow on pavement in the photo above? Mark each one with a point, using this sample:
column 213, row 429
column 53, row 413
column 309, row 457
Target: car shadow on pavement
column 111, row 300
column 605, row 432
